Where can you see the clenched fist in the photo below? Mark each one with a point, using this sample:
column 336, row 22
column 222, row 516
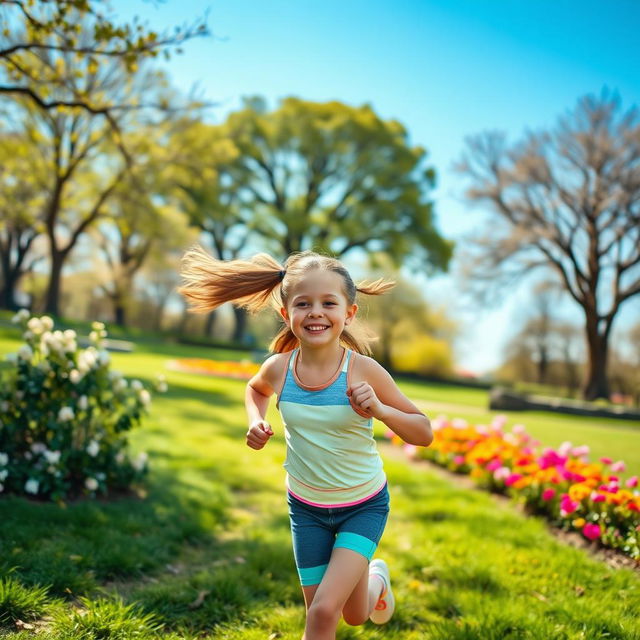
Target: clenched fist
column 364, row 397
column 258, row 434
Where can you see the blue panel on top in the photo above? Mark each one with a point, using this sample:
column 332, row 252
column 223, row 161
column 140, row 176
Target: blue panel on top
column 334, row 394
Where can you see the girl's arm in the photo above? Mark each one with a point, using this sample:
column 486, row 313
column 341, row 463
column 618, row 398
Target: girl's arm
column 259, row 390
column 380, row 397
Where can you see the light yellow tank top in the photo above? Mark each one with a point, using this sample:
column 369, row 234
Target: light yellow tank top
column 332, row 459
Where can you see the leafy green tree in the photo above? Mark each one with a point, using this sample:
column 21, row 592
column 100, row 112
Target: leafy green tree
column 335, row 178
column 568, row 201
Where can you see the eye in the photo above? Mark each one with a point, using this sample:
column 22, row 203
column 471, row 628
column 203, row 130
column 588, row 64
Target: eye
column 333, row 303
column 300, row 304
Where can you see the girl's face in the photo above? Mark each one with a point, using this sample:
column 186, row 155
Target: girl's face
column 318, row 310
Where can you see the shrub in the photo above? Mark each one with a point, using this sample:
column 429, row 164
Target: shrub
column 65, row 416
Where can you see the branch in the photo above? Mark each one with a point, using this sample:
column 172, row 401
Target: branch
column 105, row 111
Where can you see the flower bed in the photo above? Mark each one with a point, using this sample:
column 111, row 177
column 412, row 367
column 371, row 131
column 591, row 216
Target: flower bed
column 219, row 368
column 65, row 416
column 561, row 484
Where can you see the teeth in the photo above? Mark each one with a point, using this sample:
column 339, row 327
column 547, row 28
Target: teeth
column 315, row 327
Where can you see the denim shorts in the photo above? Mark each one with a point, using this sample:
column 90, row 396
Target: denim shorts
column 316, row 531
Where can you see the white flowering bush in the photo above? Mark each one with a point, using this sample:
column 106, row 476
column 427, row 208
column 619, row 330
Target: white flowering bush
column 65, row 416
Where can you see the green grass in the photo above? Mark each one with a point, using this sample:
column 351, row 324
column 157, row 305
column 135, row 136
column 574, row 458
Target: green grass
column 207, row 553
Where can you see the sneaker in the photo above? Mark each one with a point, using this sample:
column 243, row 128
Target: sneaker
column 386, row 604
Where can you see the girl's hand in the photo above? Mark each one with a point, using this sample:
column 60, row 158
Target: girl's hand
column 364, row 397
column 258, row 434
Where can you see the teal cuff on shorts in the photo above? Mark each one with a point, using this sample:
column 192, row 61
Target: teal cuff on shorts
column 356, row 542
column 312, row 575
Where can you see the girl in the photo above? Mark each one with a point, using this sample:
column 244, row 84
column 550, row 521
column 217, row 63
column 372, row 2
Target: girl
column 327, row 393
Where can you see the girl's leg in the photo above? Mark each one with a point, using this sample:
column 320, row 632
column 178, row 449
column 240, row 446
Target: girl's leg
column 345, row 571
column 363, row 599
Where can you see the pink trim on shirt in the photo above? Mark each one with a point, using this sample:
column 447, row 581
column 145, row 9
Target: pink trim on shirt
column 343, row 504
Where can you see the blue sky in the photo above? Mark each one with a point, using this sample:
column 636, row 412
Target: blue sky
column 445, row 69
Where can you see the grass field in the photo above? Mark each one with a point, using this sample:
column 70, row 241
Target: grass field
column 206, row 554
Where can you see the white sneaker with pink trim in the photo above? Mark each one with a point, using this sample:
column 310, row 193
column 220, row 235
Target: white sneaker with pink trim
column 386, row 604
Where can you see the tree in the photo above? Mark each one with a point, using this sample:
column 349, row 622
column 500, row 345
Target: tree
column 79, row 155
column 78, row 29
column 196, row 171
column 135, row 226
column 334, row 177
column 565, row 200
column 325, row 176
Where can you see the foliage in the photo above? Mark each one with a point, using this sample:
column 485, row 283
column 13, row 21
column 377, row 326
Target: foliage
column 64, row 416
column 320, row 175
column 80, row 38
column 425, row 355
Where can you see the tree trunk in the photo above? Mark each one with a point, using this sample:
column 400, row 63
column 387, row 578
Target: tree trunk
column 120, row 313
column 543, row 365
column 7, row 295
column 53, row 290
column 596, row 384
column 239, row 333
column 209, row 324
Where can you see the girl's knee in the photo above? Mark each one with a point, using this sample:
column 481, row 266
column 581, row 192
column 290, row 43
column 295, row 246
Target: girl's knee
column 323, row 615
column 355, row 619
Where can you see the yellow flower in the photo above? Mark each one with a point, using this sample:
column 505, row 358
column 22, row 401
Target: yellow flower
column 578, row 523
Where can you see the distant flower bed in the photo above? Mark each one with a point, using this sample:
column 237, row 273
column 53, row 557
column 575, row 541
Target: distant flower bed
column 561, row 484
column 220, row 368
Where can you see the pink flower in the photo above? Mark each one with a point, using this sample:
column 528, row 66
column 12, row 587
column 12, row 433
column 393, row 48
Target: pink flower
column 597, row 497
column 458, row 460
column 578, row 452
column 591, row 531
column 565, row 448
column 613, row 487
column 618, row 466
column 499, row 421
column 567, row 505
column 606, row 460
column 548, row 494
column 410, row 450
column 514, row 477
column 389, row 434
column 493, row 465
column 502, row 473
column 518, row 429
column 632, row 482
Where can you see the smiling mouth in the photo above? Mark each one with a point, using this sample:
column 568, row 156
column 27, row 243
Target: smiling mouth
column 316, row 328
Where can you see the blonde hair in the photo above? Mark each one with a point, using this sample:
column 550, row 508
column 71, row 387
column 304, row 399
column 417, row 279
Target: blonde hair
column 261, row 281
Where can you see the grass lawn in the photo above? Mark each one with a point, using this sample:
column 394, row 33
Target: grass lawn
column 207, row 553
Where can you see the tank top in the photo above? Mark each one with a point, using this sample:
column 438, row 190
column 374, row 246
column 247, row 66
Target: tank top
column 332, row 459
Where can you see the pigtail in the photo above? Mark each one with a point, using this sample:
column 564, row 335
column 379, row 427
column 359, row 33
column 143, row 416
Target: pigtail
column 375, row 288
column 208, row 282
column 284, row 341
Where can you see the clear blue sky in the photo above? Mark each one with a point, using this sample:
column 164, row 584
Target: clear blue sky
column 445, row 69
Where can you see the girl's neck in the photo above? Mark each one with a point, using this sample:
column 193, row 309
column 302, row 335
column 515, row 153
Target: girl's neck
column 321, row 357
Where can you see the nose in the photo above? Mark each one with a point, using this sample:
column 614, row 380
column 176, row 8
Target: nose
column 315, row 310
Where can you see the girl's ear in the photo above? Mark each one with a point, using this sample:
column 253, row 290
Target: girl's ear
column 285, row 315
column 351, row 313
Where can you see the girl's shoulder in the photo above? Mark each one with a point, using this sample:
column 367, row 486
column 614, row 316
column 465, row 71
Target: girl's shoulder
column 274, row 368
column 362, row 366
column 370, row 370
